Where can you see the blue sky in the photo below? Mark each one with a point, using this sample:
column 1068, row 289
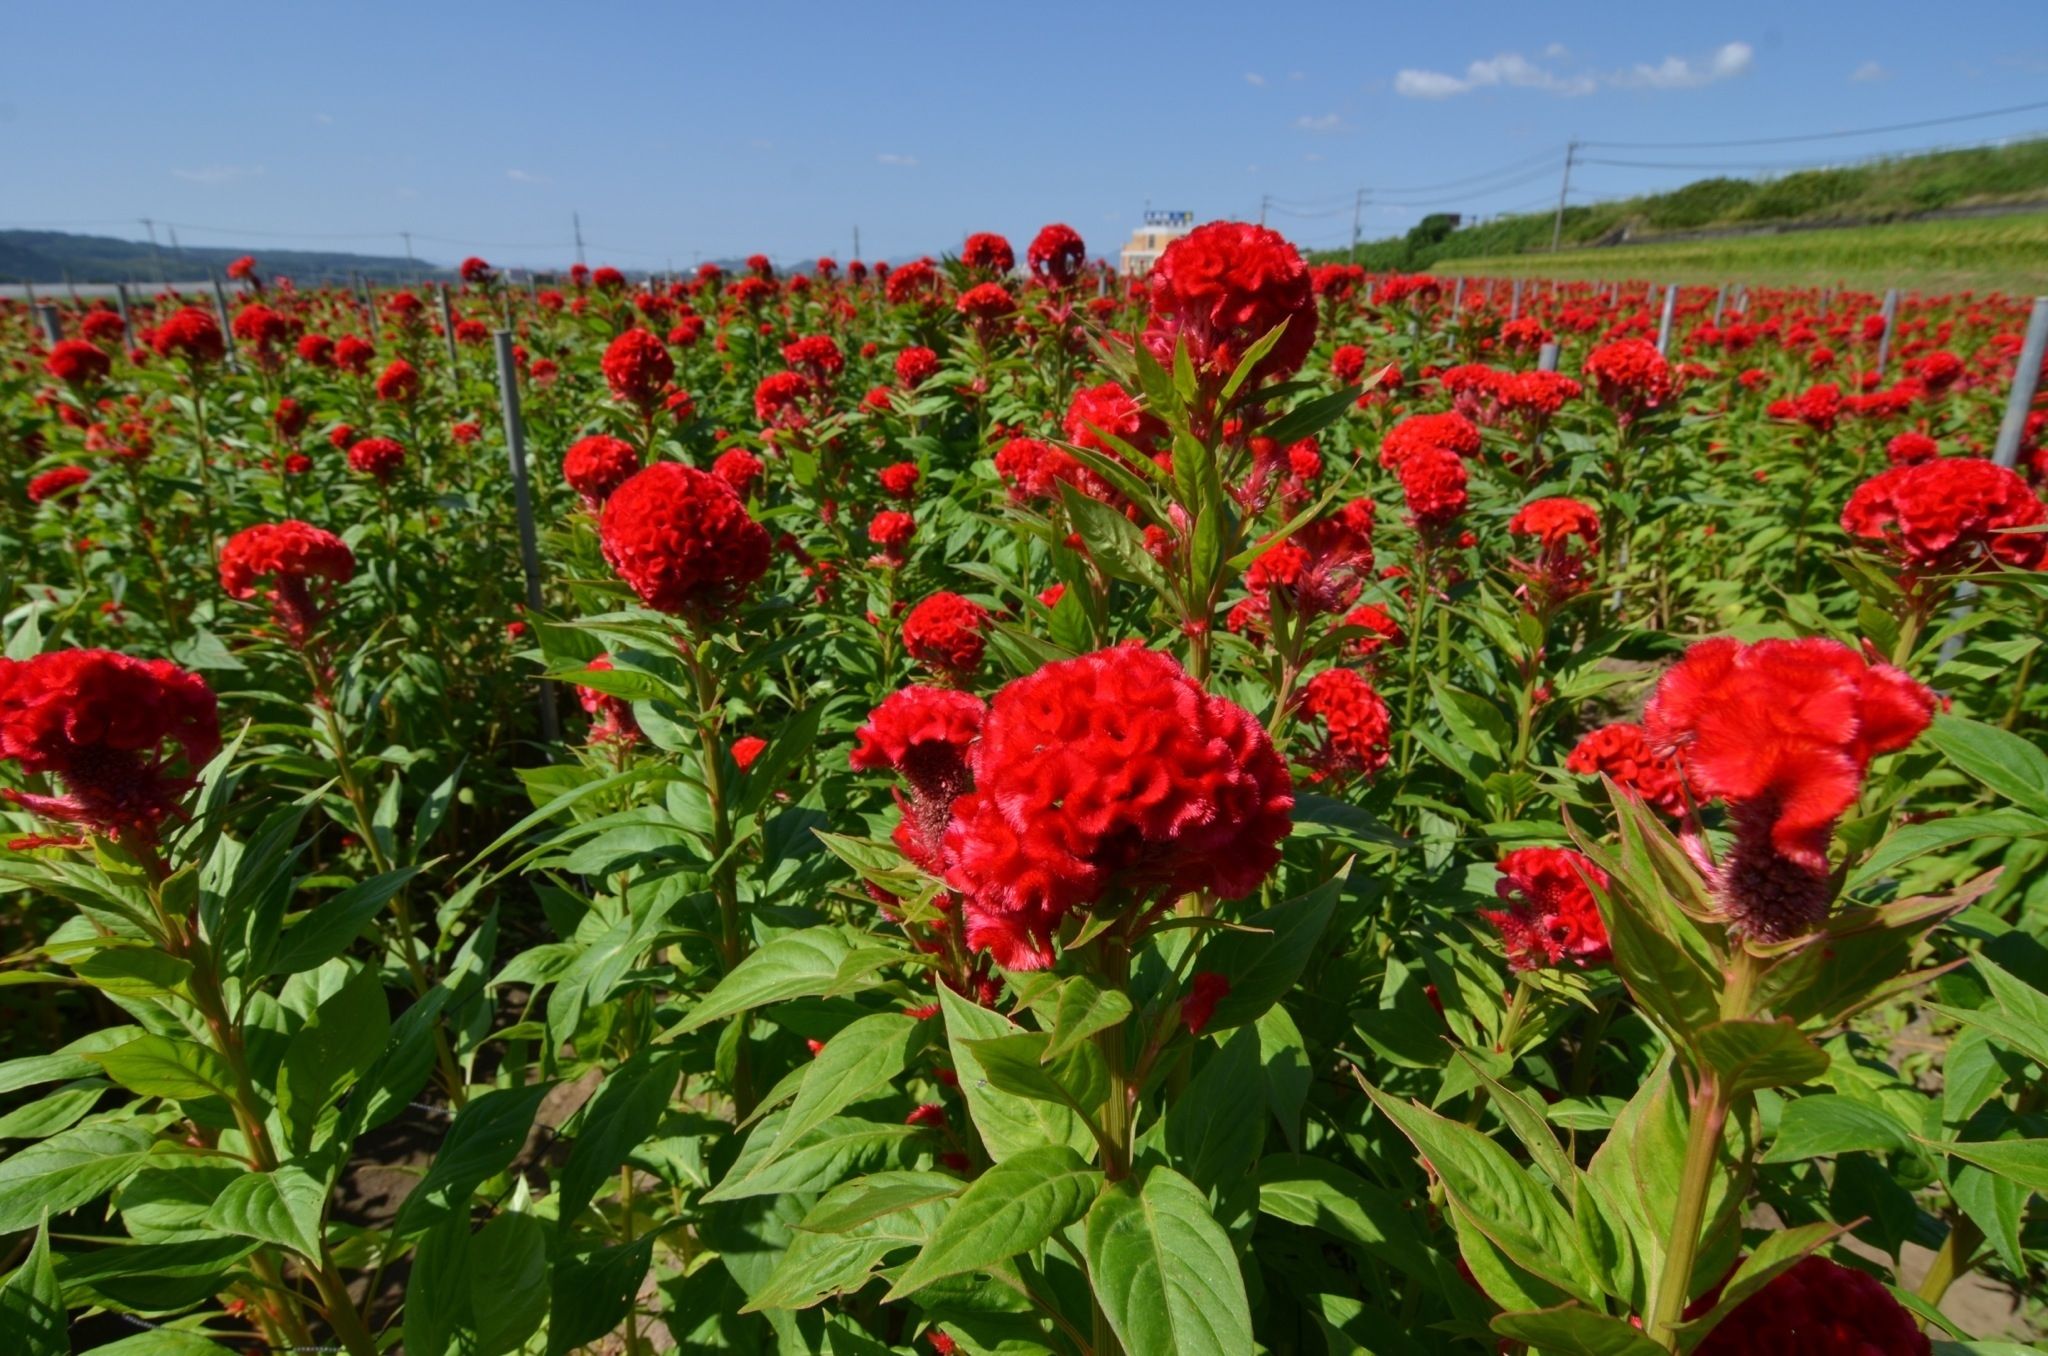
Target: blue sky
column 682, row 132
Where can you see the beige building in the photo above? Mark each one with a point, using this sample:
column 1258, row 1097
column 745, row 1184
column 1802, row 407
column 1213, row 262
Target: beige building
column 1150, row 240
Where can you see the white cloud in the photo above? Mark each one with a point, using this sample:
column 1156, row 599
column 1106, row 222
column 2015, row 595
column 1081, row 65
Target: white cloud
column 1254, row 78
column 1320, row 122
column 218, row 174
column 889, row 158
column 1556, row 51
column 1869, row 71
column 521, row 176
column 1512, row 70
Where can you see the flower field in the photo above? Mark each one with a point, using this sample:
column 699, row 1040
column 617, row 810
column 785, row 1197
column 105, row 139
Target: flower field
column 984, row 806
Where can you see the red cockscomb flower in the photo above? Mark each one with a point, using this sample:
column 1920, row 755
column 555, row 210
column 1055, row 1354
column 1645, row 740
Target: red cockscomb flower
column 1910, row 448
column 1113, row 772
column 738, row 468
column 1347, row 364
column 892, row 530
column 1551, row 919
column 1621, row 753
column 297, row 558
column 1817, row 1308
column 55, row 483
column 125, row 736
column 1056, row 256
column 683, row 540
column 915, row 366
column 817, row 356
column 987, row 252
column 1380, row 629
column 1950, row 515
column 191, row 334
column 476, row 271
column 1783, row 730
column 1433, row 481
column 1448, row 432
column 1631, row 377
column 922, row 734
column 899, row 481
column 945, row 633
column 352, row 353
column 1223, row 287
column 381, row 458
column 597, row 465
column 779, row 399
column 1355, row 728
column 1206, row 989
column 77, row 363
column 399, row 382
column 1567, row 533
column 612, row 720
column 636, row 368
column 746, row 749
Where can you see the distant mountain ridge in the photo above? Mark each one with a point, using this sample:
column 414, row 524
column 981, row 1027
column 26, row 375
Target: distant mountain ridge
column 52, row 256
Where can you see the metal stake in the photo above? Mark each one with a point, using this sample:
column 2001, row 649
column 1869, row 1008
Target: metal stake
column 1664, row 325
column 522, row 501
column 1891, row 316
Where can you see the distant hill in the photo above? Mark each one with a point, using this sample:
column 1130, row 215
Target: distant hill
column 51, row 256
column 1937, row 184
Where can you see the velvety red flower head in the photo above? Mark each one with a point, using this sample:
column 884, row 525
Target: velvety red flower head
column 290, row 418
column 922, row 734
column 605, row 278
column 243, row 269
column 1034, row 470
column 381, row 458
column 1621, row 753
column 1109, row 408
column 597, row 465
column 1354, row 727
column 1347, row 364
column 817, row 356
column 1433, row 482
column 738, row 468
column 636, row 368
column 779, row 399
column 1950, row 515
column 892, row 530
column 611, row 718
column 947, row 634
column 987, row 252
column 102, row 326
column 915, row 366
column 987, row 304
column 683, row 540
column 1815, row 1308
column 261, row 328
column 1551, row 919
column 300, row 561
column 1056, row 255
column 1448, row 432
column 1113, row 772
column 475, row 270
column 399, row 382
column 77, row 363
column 1631, row 376
column 1567, row 532
column 899, row 481
column 55, row 483
column 191, row 334
column 916, row 281
column 1784, row 730
column 1380, row 629
column 126, row 737
column 353, row 353
column 1910, row 448
column 1223, row 287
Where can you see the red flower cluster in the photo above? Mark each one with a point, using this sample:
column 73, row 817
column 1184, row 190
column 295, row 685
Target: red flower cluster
column 1356, row 728
column 636, row 368
column 683, row 540
column 922, row 734
column 1113, row 772
column 399, row 382
column 1447, row 432
column 1950, row 515
column 987, row 305
column 915, row 366
column 382, row 458
column 892, row 530
column 50, row 484
column 1783, row 730
column 352, row 353
column 987, row 252
column 816, row 355
column 1551, row 919
column 899, row 480
column 1109, row 408
column 1621, row 753
column 77, row 363
column 1814, row 1308
column 738, row 468
column 1911, row 447
column 1223, row 287
column 1631, row 377
column 261, row 328
column 191, row 334
column 1034, row 470
column 612, row 719
column 1566, row 531
column 296, row 556
column 125, row 735
column 1056, row 256
column 1380, row 629
column 597, row 465
column 946, row 633
column 1433, row 482
column 778, row 400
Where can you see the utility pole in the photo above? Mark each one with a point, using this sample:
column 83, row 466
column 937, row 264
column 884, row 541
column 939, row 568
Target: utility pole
column 154, row 252
column 412, row 265
column 1357, row 210
column 576, row 219
column 1265, row 200
column 856, row 242
column 1571, row 152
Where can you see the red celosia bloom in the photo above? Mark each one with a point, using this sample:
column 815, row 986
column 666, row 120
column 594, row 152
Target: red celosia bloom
column 746, row 749
column 1110, row 773
column 1109, row 408
column 1206, row 989
column 911, row 282
column 297, row 464
column 316, row 350
column 290, row 418
column 1223, row 287
column 243, row 269
column 915, row 366
column 1631, row 377
column 1815, row 1308
column 817, row 356
column 466, row 432
column 987, row 252
column 378, row 457
column 475, row 270
column 341, row 437
column 1938, row 371
column 191, row 334
column 987, row 304
column 1381, row 629
column 1433, row 480
column 399, row 382
column 297, row 558
column 922, row 734
column 261, row 328
column 637, row 367
column 353, row 353
column 612, row 719
column 900, row 480
column 1910, row 448
column 683, row 540
column 1623, row 755
column 1319, row 569
column 1783, row 730
column 1056, row 256
column 1034, row 471
column 101, row 326
column 738, row 468
column 1551, row 919
column 1534, row 398
column 891, row 530
column 1525, row 334
column 779, row 399
column 1818, row 408
column 1950, row 515
column 1347, row 364
column 1449, row 432
column 405, row 309
column 51, row 484
column 1355, row 731
column 77, row 363
column 1567, row 531
column 597, row 465
column 605, row 278
column 126, row 736
column 946, row 633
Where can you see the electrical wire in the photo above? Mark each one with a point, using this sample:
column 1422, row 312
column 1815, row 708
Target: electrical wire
column 1817, row 136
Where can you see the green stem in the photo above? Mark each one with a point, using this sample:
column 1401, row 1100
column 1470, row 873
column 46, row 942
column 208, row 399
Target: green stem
column 1702, row 1146
column 1952, row 1261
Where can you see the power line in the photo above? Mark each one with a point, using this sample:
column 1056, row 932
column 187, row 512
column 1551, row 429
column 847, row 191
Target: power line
column 1817, row 136
column 1793, row 164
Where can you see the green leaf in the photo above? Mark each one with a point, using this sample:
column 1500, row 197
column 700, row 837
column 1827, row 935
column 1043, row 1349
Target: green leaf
column 1311, row 417
column 60, row 1110
column 1007, row 1123
column 593, row 1292
column 1163, row 1270
column 67, row 1170
column 1915, row 840
column 1011, row 1208
column 132, row 971
column 326, row 930
column 1113, row 541
column 1263, row 966
column 508, row 1283
column 1574, row 1331
column 282, row 1207
column 2018, row 1160
column 1213, row 1129
column 2009, row 764
column 482, row 1142
column 624, row 1111
column 32, row 1317
column 1016, row 1064
column 1082, row 1008
column 1829, row 1123
column 338, row 1043
column 856, row 1062
column 1753, row 1055
column 1318, row 1194
column 157, row 1066
column 795, row 965
column 814, row 1162
column 163, row 1342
